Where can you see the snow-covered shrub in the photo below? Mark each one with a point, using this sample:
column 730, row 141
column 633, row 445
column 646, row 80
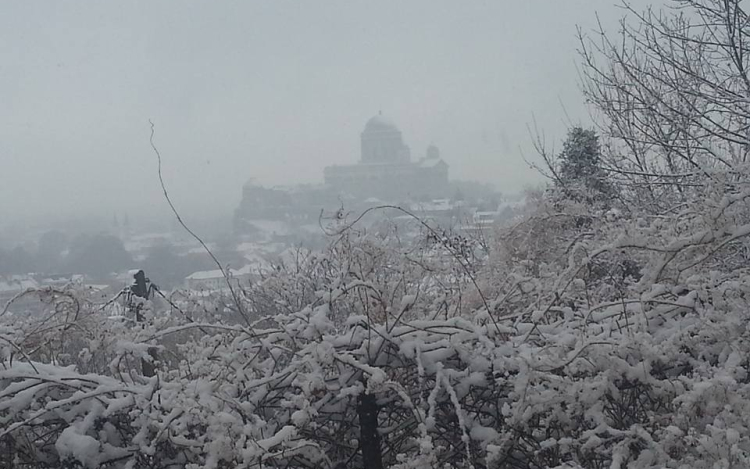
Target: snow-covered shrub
column 591, row 336
column 581, row 360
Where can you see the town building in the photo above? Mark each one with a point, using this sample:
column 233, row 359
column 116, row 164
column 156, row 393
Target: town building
column 215, row 280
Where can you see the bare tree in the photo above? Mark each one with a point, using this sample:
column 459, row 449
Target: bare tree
column 672, row 90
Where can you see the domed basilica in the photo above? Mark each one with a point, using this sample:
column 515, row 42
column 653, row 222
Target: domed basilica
column 386, row 170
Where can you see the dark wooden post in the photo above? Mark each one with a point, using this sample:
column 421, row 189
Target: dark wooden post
column 369, row 438
column 140, row 288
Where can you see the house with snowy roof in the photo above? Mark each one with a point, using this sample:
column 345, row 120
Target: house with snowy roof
column 214, row 280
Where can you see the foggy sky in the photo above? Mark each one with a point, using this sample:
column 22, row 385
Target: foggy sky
column 271, row 90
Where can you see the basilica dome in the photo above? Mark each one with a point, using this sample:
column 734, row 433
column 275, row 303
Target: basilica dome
column 380, row 123
column 382, row 142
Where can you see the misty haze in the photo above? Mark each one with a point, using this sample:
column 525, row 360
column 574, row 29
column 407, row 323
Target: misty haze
column 407, row 235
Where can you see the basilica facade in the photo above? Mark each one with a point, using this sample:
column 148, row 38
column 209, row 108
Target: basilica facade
column 385, row 173
column 386, row 170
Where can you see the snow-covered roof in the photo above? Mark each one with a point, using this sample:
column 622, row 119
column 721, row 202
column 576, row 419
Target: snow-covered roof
column 205, row 275
column 201, row 249
column 216, row 274
column 260, row 249
column 271, row 226
column 310, row 228
column 247, row 269
column 430, row 162
column 432, row 206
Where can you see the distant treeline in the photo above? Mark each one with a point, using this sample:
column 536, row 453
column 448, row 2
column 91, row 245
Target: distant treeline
column 100, row 255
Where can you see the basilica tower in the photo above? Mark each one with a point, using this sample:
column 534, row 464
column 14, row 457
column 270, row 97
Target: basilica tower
column 382, row 142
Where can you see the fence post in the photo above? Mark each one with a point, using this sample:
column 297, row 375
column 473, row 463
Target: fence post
column 369, row 438
column 142, row 289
